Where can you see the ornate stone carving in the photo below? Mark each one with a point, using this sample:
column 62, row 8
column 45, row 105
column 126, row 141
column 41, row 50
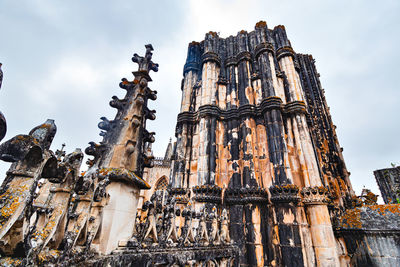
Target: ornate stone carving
column 210, row 56
column 181, row 195
column 162, row 225
column 285, row 51
column 207, row 193
column 284, row 193
column 145, row 63
column 315, row 195
column 242, row 196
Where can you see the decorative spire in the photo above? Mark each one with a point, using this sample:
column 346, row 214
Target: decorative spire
column 145, row 63
column 60, row 152
column 168, row 151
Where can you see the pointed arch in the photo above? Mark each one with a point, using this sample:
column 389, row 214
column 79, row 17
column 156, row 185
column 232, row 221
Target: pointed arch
column 161, row 183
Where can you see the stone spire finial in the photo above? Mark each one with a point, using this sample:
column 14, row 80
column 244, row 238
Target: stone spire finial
column 145, row 63
column 60, row 152
column 168, row 151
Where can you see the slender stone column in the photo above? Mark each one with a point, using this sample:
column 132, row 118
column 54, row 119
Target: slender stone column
column 285, row 199
column 272, row 116
column 231, row 92
column 190, row 73
column 180, row 160
column 325, row 248
column 194, row 163
column 315, row 199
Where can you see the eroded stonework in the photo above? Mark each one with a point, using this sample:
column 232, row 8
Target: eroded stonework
column 256, row 176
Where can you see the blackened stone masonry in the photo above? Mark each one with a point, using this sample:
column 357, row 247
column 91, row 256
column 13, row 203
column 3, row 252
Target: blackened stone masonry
column 257, row 176
column 254, row 122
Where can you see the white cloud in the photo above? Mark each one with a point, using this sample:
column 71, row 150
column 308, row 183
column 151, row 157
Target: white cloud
column 65, row 60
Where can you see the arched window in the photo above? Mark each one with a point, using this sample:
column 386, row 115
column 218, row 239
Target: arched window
column 161, row 184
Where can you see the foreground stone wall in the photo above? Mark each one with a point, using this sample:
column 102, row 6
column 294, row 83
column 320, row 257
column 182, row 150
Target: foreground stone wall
column 50, row 212
column 372, row 235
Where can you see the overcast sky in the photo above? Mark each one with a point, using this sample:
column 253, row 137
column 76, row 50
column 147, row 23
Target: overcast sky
column 64, row 60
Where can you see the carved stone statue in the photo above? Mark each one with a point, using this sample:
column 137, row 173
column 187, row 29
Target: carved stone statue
column 172, row 235
column 225, row 238
column 202, row 235
column 151, row 230
column 214, row 234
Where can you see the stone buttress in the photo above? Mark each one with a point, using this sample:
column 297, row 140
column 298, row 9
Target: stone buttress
column 121, row 157
column 52, row 213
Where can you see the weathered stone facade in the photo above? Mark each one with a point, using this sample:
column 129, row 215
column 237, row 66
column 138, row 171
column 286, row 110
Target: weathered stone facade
column 254, row 123
column 256, row 176
column 255, row 135
column 53, row 215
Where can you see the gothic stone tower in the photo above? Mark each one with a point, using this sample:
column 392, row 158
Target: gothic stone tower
column 254, row 134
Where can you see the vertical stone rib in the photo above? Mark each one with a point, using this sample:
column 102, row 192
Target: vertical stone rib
column 265, row 165
column 249, row 131
column 202, row 164
column 321, row 227
column 180, row 155
column 326, row 145
column 300, row 128
column 273, row 118
column 265, row 74
column 300, row 154
column 188, row 83
column 193, row 180
column 280, row 91
column 212, row 151
column 188, row 156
